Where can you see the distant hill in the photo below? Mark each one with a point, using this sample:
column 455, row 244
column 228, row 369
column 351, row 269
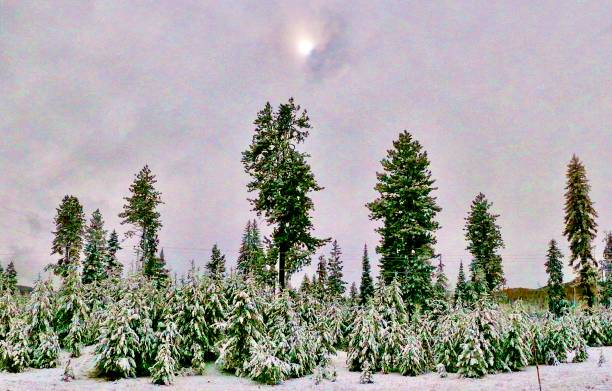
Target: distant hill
column 24, row 289
column 540, row 295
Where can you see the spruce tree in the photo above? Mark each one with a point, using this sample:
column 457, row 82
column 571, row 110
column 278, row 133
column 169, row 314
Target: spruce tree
column 461, row 287
column 483, row 235
column 335, row 283
column 216, row 266
column 554, row 268
column 417, row 282
column 406, row 208
column 581, row 228
column 42, row 336
column 10, row 277
column 320, row 287
column 140, row 211
column 283, row 180
column 69, row 230
column 114, row 268
column 366, row 288
column 94, row 263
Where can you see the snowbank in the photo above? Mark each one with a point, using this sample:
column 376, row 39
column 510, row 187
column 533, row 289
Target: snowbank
column 580, row 376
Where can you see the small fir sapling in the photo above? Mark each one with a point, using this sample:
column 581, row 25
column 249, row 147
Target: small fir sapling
column 602, row 359
column 366, row 374
column 68, row 374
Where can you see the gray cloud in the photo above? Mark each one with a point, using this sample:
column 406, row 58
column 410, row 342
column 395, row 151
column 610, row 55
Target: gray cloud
column 500, row 95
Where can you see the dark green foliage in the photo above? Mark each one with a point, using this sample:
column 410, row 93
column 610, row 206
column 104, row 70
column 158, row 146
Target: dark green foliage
column 335, row 284
column 320, row 284
column 283, row 180
column 114, row 268
column 461, row 289
column 140, row 211
column 366, row 288
column 405, row 206
column 10, row 277
column 416, row 282
column 441, row 284
column 353, row 295
column 580, row 227
column 251, row 255
column 484, row 239
column 94, row 264
column 606, row 283
column 554, row 268
column 69, row 229
column 216, row 266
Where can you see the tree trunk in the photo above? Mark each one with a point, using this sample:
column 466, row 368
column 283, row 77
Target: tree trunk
column 281, row 264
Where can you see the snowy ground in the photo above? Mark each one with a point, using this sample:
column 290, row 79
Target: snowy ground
column 583, row 376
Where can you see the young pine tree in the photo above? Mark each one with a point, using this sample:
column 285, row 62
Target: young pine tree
column 283, row 181
column 581, row 228
column 554, row 268
column 69, row 230
column 366, row 288
column 140, row 211
column 94, row 264
column 114, row 268
column 335, row 283
column 353, row 294
column 406, row 208
column 483, row 235
column 216, row 266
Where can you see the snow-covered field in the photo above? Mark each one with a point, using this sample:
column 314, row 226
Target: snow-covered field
column 582, row 376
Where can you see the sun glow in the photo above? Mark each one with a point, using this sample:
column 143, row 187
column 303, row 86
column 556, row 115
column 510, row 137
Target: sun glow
column 305, row 47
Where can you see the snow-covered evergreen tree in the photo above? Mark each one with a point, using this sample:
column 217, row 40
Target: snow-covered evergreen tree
column 243, row 329
column 42, row 337
column 413, row 358
column 365, row 339
column 15, row 349
column 554, row 268
column 71, row 313
column 166, row 359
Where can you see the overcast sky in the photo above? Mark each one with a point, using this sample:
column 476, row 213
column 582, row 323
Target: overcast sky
column 500, row 94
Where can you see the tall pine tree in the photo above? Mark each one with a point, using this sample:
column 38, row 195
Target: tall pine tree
column 407, row 210
column 366, row 288
column 335, row 283
column 140, row 211
column 581, row 228
column 483, row 235
column 94, row 264
column 283, row 180
column 68, row 234
column 216, row 266
column 554, row 268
